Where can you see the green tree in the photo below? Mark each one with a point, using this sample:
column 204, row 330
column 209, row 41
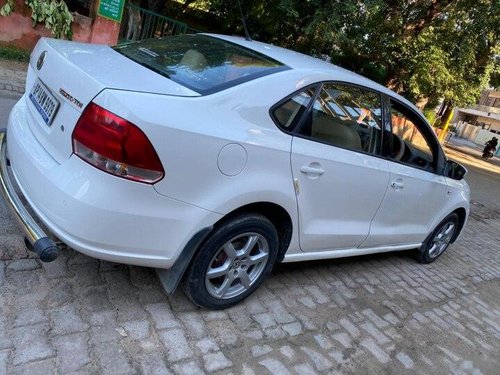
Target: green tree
column 54, row 14
column 424, row 49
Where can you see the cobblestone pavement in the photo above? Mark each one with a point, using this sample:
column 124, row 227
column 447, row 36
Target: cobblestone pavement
column 376, row 314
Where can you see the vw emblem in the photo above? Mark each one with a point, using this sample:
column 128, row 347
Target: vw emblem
column 41, row 60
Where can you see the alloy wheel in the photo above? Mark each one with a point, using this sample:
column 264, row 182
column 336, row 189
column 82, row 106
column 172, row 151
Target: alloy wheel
column 442, row 239
column 237, row 265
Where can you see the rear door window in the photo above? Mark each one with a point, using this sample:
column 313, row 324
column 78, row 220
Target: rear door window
column 345, row 116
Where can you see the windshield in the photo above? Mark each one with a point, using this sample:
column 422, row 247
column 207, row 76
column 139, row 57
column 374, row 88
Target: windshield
column 202, row 63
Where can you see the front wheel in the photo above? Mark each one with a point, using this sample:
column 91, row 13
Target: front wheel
column 233, row 262
column 439, row 240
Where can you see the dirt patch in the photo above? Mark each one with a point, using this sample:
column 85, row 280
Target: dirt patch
column 13, row 72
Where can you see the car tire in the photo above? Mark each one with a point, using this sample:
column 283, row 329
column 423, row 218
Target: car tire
column 438, row 240
column 232, row 262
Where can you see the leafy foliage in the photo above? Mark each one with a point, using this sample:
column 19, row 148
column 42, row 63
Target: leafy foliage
column 7, row 8
column 424, row 49
column 53, row 14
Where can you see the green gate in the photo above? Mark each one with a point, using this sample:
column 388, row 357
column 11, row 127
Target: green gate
column 139, row 23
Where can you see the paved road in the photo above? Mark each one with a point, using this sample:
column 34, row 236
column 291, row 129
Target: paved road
column 382, row 314
column 6, row 103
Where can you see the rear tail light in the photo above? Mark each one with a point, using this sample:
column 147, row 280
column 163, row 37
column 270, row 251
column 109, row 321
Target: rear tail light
column 115, row 146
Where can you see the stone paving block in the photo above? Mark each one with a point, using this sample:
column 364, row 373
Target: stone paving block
column 23, row 265
column 31, row 343
column 153, row 364
column 321, row 363
column 94, row 300
column 44, row 367
column 23, row 282
column 112, row 359
column 216, row 362
column 194, row 324
column 67, row 319
column 87, row 274
column 162, row 316
column 275, row 333
column 72, row 351
column 61, row 293
column 293, row 329
column 224, row 332
column 241, row 318
column 207, row 345
column 104, row 327
column 190, row 368
column 30, row 315
column 376, row 350
column 4, row 357
column 5, row 339
column 265, row 320
column 176, row 344
column 258, row 350
column 274, row 366
column 57, row 268
column 304, row 369
column 405, row 360
column 137, row 330
column 288, row 352
column 280, row 314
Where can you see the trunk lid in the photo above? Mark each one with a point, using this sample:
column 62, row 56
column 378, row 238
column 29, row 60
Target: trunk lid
column 61, row 84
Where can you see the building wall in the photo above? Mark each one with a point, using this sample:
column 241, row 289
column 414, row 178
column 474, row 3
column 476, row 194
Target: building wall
column 490, row 98
column 17, row 29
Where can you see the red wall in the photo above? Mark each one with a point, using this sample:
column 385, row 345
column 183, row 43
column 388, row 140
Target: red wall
column 17, row 29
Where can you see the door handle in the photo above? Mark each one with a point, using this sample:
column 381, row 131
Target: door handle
column 398, row 184
column 312, row 170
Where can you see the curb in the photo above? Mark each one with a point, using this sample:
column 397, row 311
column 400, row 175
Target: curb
column 11, row 90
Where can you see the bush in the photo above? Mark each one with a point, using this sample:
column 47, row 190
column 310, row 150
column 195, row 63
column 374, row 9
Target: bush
column 14, row 53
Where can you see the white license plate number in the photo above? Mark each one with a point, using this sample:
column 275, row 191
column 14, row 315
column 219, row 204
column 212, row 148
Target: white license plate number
column 45, row 103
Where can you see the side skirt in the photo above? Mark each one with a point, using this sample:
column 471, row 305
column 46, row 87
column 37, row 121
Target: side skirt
column 331, row 254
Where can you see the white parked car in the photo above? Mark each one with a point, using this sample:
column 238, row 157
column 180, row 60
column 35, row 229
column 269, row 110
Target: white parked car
column 211, row 158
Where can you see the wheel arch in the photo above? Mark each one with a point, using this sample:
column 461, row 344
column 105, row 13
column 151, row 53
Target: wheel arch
column 276, row 214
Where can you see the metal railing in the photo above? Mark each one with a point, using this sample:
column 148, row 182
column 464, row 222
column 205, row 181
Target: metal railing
column 141, row 24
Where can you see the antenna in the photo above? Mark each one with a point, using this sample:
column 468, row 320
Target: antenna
column 247, row 34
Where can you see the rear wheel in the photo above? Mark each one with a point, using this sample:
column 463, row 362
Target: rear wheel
column 439, row 240
column 233, row 262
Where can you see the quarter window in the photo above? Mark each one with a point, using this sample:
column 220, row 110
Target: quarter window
column 345, row 116
column 289, row 113
column 407, row 143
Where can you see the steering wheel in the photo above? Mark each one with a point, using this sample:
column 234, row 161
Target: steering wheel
column 398, row 146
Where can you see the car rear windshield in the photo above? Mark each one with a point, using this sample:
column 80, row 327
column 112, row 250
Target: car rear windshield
column 202, row 63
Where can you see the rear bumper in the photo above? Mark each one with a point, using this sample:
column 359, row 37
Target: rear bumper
column 36, row 237
column 97, row 214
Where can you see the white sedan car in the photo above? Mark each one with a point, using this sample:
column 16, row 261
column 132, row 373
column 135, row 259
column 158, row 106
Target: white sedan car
column 211, row 158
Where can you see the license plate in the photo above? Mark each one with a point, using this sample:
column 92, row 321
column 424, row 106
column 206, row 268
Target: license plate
column 45, row 103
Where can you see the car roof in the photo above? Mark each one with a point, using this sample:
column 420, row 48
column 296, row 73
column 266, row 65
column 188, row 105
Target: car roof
column 297, row 60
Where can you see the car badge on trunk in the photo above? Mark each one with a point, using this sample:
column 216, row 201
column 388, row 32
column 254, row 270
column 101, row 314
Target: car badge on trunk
column 41, row 60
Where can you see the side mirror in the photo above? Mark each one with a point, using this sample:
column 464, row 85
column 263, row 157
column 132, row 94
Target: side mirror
column 454, row 170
